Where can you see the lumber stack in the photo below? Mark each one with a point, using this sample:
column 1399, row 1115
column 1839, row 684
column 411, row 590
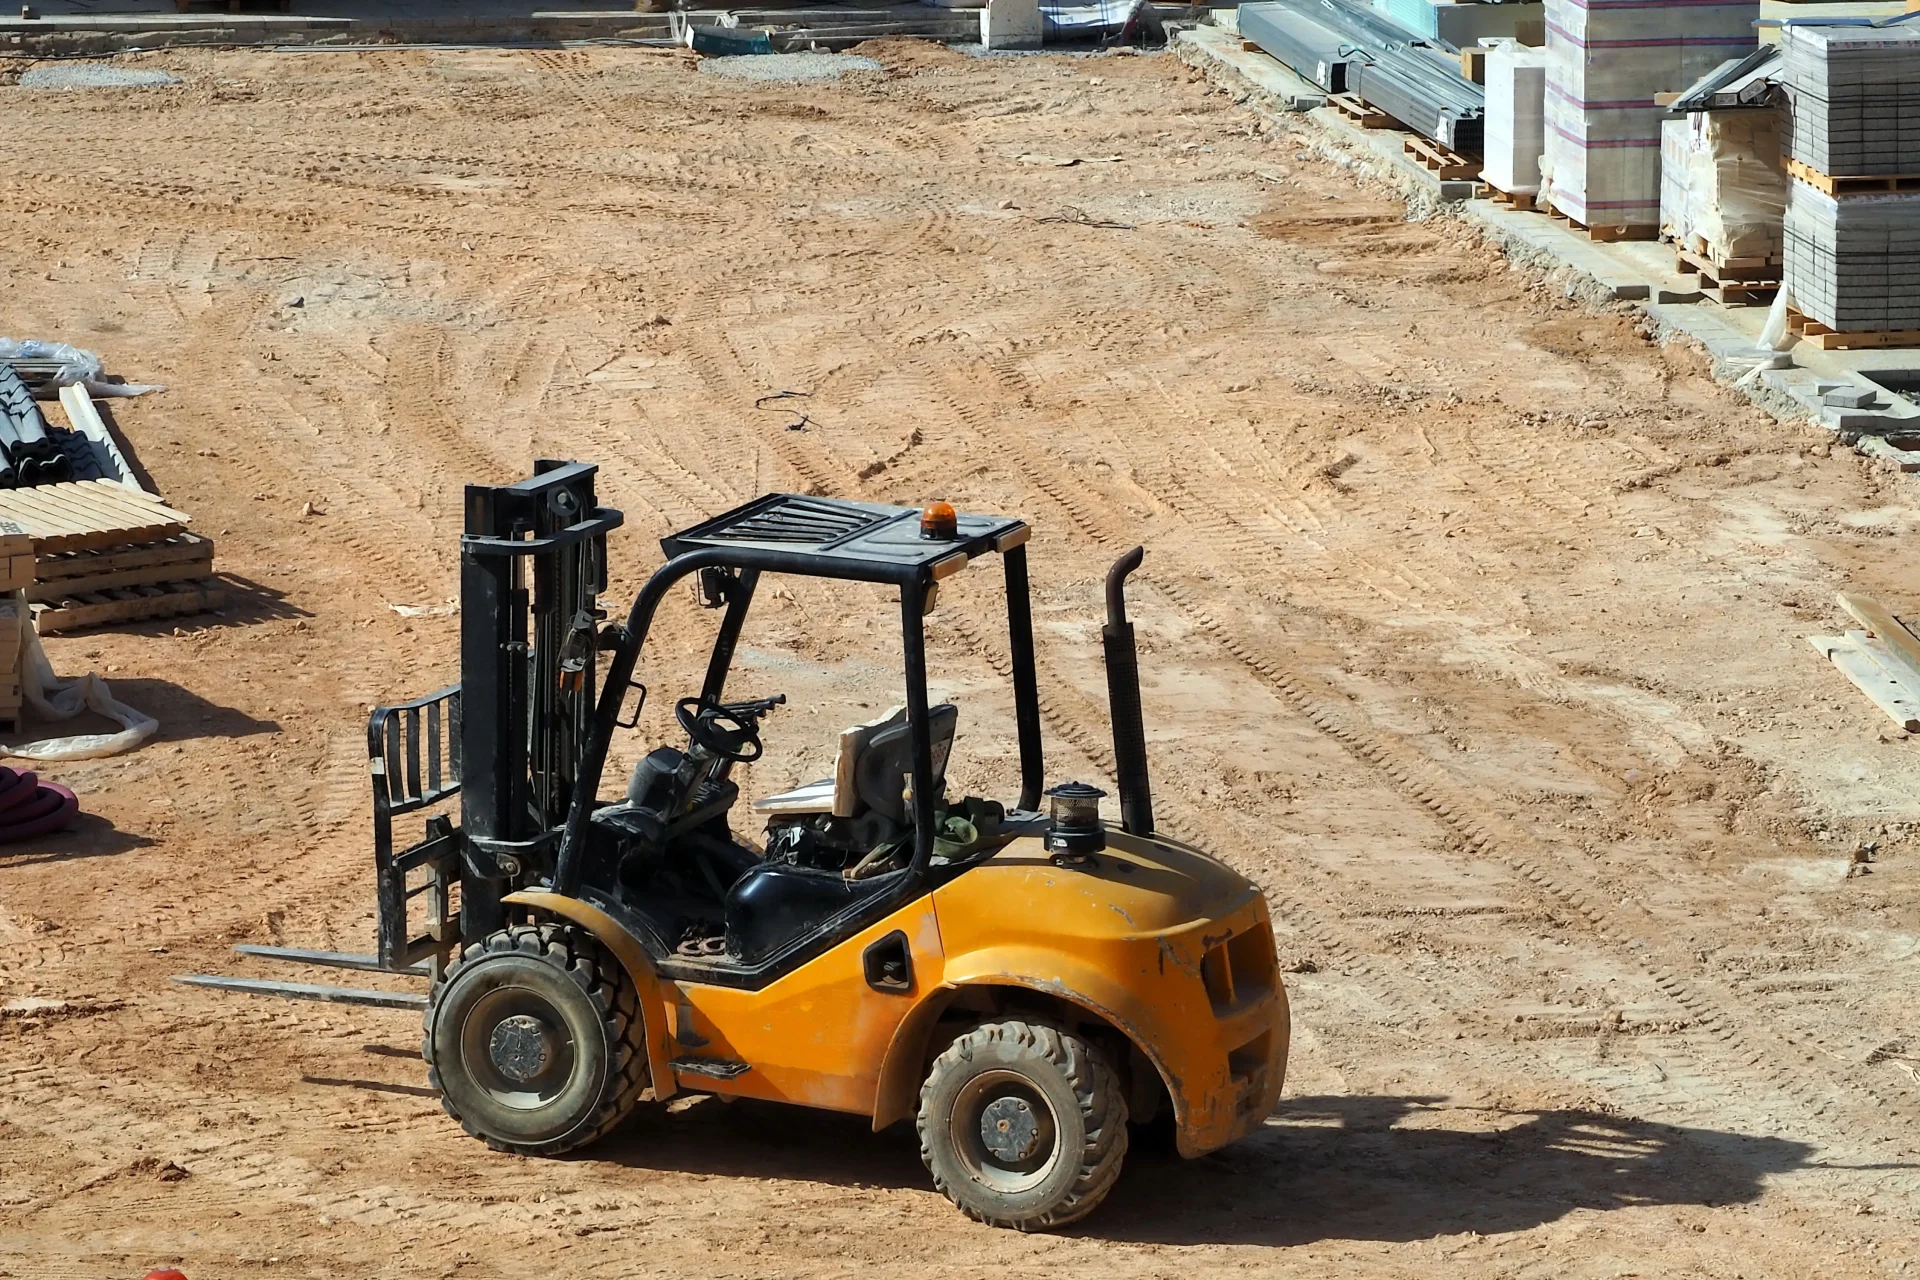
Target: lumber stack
column 106, row 553
column 16, row 575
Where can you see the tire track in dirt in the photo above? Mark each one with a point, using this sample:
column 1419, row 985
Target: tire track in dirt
column 1480, row 835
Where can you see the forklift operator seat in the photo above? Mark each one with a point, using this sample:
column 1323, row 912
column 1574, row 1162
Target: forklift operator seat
column 871, row 772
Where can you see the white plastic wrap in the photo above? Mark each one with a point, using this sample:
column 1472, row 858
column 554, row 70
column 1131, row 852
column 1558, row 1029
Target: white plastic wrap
column 1516, row 118
column 1674, row 213
column 56, row 699
column 1731, row 181
column 80, row 367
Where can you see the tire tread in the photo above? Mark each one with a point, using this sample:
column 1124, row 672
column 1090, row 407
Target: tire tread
column 575, row 953
column 1103, row 1109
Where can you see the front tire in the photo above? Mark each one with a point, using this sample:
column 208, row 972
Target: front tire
column 535, row 1040
column 1023, row 1125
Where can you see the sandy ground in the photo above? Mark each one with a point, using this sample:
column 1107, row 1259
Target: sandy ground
column 1473, row 623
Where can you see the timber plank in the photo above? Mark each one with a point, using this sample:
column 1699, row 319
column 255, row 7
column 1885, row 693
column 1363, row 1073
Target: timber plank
column 128, row 604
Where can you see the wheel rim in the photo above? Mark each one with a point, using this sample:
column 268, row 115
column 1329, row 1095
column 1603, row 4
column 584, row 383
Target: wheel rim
column 1005, row 1131
column 517, row 1047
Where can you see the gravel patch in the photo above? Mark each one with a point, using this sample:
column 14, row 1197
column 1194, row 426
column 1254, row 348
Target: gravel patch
column 91, row 75
column 788, row 67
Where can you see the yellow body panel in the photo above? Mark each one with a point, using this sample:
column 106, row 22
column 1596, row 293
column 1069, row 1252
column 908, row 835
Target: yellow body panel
column 1132, row 938
column 818, row 1036
column 1165, row 944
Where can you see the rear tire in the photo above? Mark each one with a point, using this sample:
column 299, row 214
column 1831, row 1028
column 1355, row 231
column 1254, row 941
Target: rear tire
column 1023, row 1125
column 535, row 1040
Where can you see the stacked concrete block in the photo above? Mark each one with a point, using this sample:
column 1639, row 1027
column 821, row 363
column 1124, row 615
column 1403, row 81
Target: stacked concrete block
column 1516, row 118
column 1856, row 98
column 1606, row 61
column 1853, row 262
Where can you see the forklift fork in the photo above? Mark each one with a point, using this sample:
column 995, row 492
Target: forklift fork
column 413, row 757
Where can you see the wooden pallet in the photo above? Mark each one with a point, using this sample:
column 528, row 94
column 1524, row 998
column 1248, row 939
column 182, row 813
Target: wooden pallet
column 89, row 515
column 1436, row 159
column 1815, row 334
column 1512, row 199
column 1731, row 281
column 185, row 557
column 1354, row 111
column 127, row 604
column 1853, row 185
column 1602, row 235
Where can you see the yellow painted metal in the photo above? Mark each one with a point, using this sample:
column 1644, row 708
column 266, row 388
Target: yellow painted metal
column 611, row 934
column 1160, row 941
column 1130, row 938
column 818, row 1036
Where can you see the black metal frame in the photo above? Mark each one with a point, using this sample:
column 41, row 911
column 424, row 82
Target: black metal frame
column 522, row 741
column 402, row 785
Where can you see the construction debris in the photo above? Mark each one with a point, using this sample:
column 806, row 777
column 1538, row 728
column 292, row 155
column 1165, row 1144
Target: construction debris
column 1883, row 661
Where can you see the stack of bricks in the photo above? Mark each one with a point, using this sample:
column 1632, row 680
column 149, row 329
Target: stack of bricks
column 16, row 575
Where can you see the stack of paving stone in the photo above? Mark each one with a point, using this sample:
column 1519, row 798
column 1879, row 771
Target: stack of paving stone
column 1853, row 214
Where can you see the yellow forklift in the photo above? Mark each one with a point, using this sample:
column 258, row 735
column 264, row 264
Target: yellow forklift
column 1022, row 985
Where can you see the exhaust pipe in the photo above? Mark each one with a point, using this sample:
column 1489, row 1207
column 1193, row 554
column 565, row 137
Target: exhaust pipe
column 1123, row 699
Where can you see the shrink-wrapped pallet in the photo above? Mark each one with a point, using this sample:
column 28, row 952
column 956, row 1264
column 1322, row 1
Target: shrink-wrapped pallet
column 1606, row 61
column 1853, row 263
column 1515, row 119
column 1723, row 190
column 1673, row 180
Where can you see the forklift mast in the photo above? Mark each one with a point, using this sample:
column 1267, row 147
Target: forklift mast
column 533, row 562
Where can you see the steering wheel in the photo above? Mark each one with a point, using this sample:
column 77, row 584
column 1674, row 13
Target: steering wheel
column 727, row 734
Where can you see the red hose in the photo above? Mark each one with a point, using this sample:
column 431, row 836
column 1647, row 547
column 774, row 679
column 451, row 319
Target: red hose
column 30, row 807
column 15, row 787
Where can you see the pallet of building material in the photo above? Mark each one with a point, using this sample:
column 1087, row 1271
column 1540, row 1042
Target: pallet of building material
column 1818, row 335
column 1354, row 111
column 16, row 564
column 233, row 6
column 185, row 557
column 1438, row 160
column 127, row 604
column 89, row 515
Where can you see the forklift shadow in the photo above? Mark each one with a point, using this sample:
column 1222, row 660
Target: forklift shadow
column 755, row 1139
column 1350, row 1169
column 182, row 713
